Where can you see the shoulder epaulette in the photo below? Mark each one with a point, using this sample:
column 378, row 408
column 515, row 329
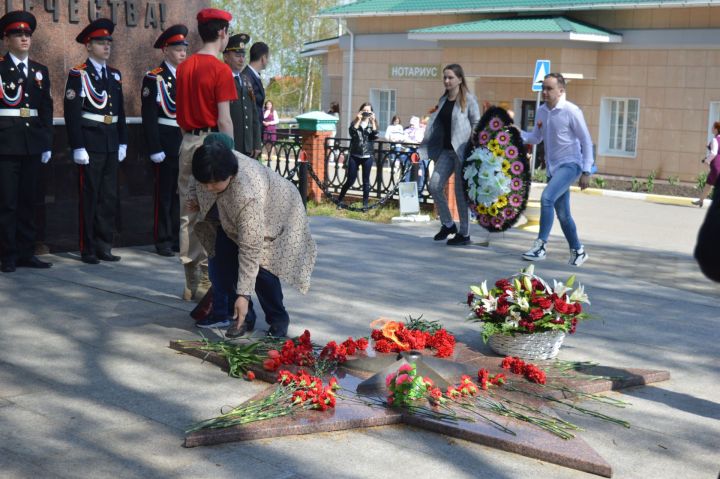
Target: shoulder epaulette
column 81, row 66
column 2, row 58
column 154, row 72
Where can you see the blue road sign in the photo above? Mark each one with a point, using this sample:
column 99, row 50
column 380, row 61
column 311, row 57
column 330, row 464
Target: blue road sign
column 542, row 68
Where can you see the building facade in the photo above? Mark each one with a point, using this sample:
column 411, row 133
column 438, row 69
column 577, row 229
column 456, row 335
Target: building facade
column 645, row 73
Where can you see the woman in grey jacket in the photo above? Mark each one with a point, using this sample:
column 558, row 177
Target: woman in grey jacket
column 445, row 140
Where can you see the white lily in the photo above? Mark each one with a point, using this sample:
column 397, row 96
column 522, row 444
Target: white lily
column 559, row 288
column 579, row 296
column 489, row 304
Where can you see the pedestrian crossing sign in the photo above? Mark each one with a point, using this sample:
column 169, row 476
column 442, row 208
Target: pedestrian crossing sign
column 542, row 68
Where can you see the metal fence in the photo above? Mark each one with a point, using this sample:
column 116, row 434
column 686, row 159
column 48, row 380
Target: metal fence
column 394, row 162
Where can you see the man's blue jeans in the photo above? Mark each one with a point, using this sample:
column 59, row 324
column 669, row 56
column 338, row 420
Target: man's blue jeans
column 556, row 198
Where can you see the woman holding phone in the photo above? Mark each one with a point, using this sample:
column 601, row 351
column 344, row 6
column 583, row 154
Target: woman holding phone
column 363, row 132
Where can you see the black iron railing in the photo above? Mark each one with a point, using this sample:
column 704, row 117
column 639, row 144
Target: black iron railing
column 394, row 162
column 391, row 160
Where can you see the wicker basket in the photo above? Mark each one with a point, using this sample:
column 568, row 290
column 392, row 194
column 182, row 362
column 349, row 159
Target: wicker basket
column 528, row 346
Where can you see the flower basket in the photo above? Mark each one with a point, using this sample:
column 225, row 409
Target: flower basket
column 528, row 346
column 525, row 316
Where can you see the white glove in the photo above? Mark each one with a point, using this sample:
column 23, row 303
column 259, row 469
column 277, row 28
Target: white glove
column 122, row 153
column 45, row 156
column 81, row 157
column 158, row 157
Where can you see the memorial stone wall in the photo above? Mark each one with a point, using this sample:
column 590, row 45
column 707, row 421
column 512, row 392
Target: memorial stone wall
column 137, row 25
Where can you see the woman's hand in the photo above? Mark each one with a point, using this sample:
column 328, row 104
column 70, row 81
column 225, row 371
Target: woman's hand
column 241, row 309
column 192, row 205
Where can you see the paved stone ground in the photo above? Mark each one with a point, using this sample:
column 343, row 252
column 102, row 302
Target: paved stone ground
column 88, row 387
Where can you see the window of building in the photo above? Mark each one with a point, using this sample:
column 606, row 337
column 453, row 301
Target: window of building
column 383, row 103
column 619, row 126
column 714, row 116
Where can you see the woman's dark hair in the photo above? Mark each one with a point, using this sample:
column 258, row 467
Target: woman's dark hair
column 266, row 103
column 209, row 31
column 214, row 162
column 334, row 107
column 367, row 103
column 716, row 125
column 460, row 73
column 396, row 117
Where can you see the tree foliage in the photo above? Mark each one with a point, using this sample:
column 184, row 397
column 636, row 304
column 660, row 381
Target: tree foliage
column 285, row 25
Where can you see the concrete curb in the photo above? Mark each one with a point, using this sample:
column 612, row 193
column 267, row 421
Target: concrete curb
column 629, row 195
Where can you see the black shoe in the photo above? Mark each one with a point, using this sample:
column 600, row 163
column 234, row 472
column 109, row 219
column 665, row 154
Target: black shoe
column 32, row 262
column 8, row 266
column 272, row 334
column 175, row 248
column 90, row 259
column 107, row 256
column 445, row 232
column 235, row 332
column 458, row 240
column 165, row 252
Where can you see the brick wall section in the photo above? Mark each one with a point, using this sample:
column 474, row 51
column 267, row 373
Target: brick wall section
column 313, row 144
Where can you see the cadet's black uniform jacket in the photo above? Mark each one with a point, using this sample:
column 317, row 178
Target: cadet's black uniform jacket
column 25, row 135
column 160, row 136
column 91, row 134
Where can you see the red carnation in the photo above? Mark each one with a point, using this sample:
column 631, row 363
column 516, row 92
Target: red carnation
column 376, row 335
column 543, row 302
column 470, row 298
column 536, row 313
column 383, row 346
column 250, row 376
column 362, row 344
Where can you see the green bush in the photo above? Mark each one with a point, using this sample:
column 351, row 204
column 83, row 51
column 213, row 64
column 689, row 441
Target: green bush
column 600, row 182
column 539, row 175
column 635, row 185
column 701, row 180
column 650, row 185
column 674, row 180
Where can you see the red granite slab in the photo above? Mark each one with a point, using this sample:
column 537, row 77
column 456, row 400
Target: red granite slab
column 353, row 411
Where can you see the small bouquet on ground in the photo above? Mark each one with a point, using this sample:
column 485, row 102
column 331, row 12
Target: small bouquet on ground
column 405, row 386
column 415, row 334
column 525, row 303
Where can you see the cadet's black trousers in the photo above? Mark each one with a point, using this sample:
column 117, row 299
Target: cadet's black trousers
column 18, row 182
column 98, row 202
column 167, row 204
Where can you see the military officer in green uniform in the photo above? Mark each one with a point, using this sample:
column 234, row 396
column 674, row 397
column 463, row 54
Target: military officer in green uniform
column 163, row 136
column 246, row 125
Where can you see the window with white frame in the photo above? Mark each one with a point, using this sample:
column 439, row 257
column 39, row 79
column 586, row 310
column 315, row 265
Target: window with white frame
column 714, row 116
column 619, row 126
column 383, row 103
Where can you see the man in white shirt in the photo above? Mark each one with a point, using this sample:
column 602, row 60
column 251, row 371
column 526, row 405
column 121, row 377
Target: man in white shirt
column 561, row 127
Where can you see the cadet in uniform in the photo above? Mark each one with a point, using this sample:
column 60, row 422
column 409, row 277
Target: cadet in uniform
column 95, row 119
column 26, row 112
column 163, row 136
column 246, row 125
